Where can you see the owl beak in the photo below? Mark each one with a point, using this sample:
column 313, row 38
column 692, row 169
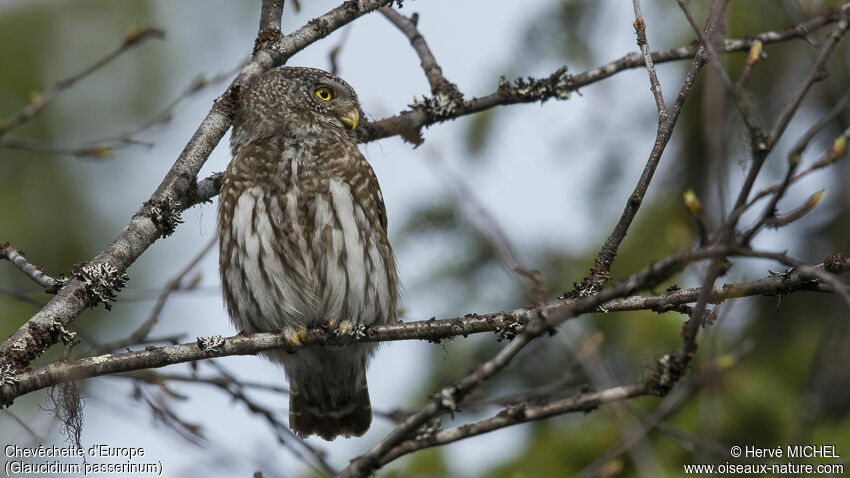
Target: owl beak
column 351, row 118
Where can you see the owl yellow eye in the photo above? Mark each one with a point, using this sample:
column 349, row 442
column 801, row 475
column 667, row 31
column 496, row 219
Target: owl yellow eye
column 324, row 93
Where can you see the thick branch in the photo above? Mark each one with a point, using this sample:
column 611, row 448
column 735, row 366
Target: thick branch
column 179, row 184
column 408, row 123
column 506, row 324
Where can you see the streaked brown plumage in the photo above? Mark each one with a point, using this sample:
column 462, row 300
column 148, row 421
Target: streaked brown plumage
column 302, row 230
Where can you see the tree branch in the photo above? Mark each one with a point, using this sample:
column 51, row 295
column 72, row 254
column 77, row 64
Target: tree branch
column 439, row 83
column 600, row 272
column 133, row 38
column 643, row 44
column 506, row 324
column 98, row 148
column 816, row 73
column 50, row 284
column 760, row 153
column 179, row 185
column 173, row 284
column 513, row 415
column 409, row 123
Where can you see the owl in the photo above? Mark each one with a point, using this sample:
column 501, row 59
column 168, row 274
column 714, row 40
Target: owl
column 303, row 241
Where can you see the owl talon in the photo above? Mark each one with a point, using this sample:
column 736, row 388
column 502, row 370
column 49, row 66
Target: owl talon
column 295, row 337
column 338, row 327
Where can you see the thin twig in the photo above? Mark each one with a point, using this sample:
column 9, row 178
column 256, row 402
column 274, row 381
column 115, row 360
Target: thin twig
column 333, row 55
column 21, row 295
column 643, row 44
column 439, row 83
column 794, row 157
column 745, row 107
column 100, row 148
column 816, row 73
column 531, row 281
column 133, row 38
column 50, row 284
column 36, row 437
column 825, row 273
column 222, row 381
column 173, row 284
column 513, row 415
column 600, row 272
column 178, row 185
column 833, row 153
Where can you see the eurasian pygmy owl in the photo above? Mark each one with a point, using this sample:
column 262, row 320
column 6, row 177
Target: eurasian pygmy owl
column 303, row 236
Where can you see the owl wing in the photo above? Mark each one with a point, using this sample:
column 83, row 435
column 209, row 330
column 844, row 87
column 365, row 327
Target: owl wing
column 376, row 197
column 348, row 163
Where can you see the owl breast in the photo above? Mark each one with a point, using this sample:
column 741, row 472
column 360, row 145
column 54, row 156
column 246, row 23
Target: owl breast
column 299, row 252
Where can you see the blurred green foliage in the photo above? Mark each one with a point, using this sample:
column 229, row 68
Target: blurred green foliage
column 45, row 212
column 771, row 371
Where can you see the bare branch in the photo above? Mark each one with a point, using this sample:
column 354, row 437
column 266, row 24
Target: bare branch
column 409, row 123
column 768, row 217
column 133, row 38
column 827, row 273
column 513, row 415
column 141, row 333
column 334, row 53
column 836, row 151
column 179, row 184
column 271, row 13
column 600, row 272
column 51, row 285
column 439, row 83
column 100, row 148
column 757, row 140
column 507, row 325
column 816, row 73
column 643, row 44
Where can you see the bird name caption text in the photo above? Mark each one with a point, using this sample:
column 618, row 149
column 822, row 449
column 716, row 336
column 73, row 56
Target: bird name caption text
column 97, row 460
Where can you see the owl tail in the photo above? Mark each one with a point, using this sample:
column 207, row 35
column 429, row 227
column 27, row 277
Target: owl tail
column 341, row 409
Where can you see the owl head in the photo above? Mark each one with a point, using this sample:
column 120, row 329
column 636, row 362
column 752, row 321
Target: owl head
column 281, row 98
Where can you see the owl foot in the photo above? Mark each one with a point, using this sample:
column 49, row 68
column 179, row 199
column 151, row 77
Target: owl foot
column 339, row 327
column 294, row 336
